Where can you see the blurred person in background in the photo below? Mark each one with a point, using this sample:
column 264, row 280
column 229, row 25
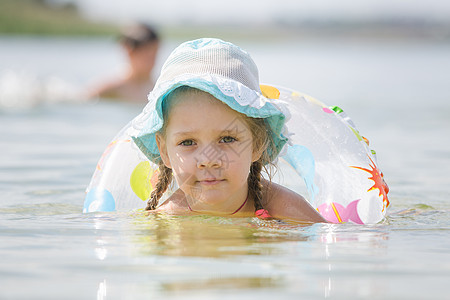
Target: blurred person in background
column 140, row 42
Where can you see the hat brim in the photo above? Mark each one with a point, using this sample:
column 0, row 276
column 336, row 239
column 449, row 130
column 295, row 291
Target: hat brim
column 234, row 94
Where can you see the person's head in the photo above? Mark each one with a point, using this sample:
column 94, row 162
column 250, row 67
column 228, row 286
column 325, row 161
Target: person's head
column 208, row 122
column 141, row 43
column 214, row 152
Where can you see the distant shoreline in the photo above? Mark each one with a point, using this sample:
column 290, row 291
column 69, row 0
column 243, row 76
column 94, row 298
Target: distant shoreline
column 39, row 18
column 345, row 31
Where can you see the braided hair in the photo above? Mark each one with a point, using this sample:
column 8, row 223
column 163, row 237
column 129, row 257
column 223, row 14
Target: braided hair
column 263, row 144
column 164, row 180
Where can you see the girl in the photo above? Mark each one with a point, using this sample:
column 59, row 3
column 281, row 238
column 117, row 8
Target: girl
column 209, row 127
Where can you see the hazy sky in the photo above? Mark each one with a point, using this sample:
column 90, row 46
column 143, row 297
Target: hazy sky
column 262, row 11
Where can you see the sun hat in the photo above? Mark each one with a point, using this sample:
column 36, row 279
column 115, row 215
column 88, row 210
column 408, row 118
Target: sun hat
column 221, row 69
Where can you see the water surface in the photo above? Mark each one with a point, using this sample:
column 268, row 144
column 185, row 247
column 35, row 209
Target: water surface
column 397, row 94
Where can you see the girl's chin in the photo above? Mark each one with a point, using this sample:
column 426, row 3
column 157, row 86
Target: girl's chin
column 208, row 198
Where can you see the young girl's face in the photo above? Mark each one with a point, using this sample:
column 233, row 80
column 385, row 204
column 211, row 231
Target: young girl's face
column 208, row 146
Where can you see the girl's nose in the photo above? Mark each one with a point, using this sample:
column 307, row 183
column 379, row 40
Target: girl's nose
column 205, row 162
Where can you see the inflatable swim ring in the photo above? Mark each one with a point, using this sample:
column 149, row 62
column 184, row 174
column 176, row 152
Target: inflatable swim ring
column 338, row 168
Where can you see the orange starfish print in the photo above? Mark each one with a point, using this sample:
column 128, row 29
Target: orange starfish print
column 379, row 182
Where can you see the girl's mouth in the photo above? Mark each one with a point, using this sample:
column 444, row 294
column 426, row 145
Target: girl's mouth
column 211, row 181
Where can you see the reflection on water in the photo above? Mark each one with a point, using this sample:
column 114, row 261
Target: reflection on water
column 223, row 283
column 117, row 254
column 184, row 255
column 207, row 236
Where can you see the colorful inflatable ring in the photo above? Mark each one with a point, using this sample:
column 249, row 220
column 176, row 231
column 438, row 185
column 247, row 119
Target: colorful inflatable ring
column 326, row 150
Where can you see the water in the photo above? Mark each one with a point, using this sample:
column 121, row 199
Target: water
column 397, row 94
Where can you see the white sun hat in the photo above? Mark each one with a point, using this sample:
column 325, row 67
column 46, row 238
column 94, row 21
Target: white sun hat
column 221, row 69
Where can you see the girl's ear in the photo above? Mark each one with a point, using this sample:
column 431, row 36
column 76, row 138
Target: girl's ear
column 161, row 143
column 257, row 153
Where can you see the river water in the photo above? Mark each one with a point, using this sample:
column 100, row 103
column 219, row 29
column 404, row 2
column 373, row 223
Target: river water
column 397, row 93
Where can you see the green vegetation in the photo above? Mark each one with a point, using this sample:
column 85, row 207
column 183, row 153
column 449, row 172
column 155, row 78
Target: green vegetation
column 40, row 18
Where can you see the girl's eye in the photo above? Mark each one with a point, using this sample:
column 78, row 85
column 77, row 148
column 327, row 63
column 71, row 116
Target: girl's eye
column 227, row 139
column 187, row 143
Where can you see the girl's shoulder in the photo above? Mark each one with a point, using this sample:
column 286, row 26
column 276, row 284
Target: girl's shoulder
column 283, row 203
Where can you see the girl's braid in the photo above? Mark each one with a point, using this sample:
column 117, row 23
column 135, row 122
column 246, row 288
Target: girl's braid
column 164, row 179
column 255, row 190
column 254, row 184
